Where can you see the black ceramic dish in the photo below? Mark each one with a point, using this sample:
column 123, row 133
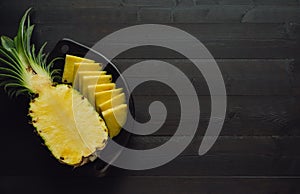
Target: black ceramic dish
column 67, row 46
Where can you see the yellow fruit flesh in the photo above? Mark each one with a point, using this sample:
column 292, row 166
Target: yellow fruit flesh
column 79, row 76
column 68, row 75
column 114, row 102
column 92, row 89
column 101, row 97
column 70, row 127
column 86, row 67
column 115, row 118
column 92, row 80
column 101, row 93
column 101, row 87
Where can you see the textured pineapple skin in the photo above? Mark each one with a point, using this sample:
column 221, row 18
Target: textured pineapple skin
column 69, row 125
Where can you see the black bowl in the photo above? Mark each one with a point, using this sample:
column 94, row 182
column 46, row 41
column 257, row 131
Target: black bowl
column 67, row 46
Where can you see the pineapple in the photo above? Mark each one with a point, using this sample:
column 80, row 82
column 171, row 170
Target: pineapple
column 92, row 89
column 115, row 101
column 80, row 74
column 68, row 75
column 101, row 87
column 92, row 80
column 101, row 97
column 115, row 118
column 69, row 125
column 85, row 66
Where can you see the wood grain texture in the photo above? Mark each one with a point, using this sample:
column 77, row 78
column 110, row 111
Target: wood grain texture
column 241, row 76
column 266, row 14
column 154, row 184
column 261, row 116
column 256, row 44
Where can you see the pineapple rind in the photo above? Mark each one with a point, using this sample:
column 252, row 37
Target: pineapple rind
column 69, row 125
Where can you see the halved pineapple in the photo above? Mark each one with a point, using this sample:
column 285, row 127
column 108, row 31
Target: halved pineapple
column 68, row 75
column 115, row 118
column 69, row 125
column 113, row 102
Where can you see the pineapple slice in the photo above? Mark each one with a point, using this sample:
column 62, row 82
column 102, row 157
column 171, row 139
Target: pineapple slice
column 101, row 87
column 115, row 118
column 84, row 66
column 79, row 76
column 113, row 102
column 101, row 97
column 92, row 80
column 92, row 89
column 68, row 75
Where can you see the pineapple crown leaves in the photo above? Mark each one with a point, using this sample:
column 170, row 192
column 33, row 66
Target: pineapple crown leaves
column 22, row 61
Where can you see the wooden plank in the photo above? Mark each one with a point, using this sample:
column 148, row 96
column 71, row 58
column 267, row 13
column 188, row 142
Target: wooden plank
column 246, row 116
column 295, row 79
column 219, row 49
column 230, row 156
column 87, row 15
column 249, row 2
column 241, row 77
column 222, row 39
column 15, row 4
column 223, row 49
column 129, row 14
column 267, row 14
column 78, row 4
column 273, row 116
column 227, row 145
column 277, row 2
column 155, row 15
column 211, row 14
column 256, row 157
column 151, row 184
column 233, row 165
column 149, row 3
column 200, row 31
column 92, row 15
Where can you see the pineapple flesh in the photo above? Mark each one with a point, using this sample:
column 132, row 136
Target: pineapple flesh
column 69, row 125
column 67, row 122
column 68, row 75
column 115, row 118
column 107, row 99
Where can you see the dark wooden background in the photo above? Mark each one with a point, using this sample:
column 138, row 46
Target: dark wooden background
column 256, row 44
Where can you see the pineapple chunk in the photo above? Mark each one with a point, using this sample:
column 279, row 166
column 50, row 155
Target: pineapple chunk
column 84, row 66
column 115, row 101
column 68, row 75
column 79, row 76
column 115, row 118
column 92, row 80
column 101, row 97
column 92, row 89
